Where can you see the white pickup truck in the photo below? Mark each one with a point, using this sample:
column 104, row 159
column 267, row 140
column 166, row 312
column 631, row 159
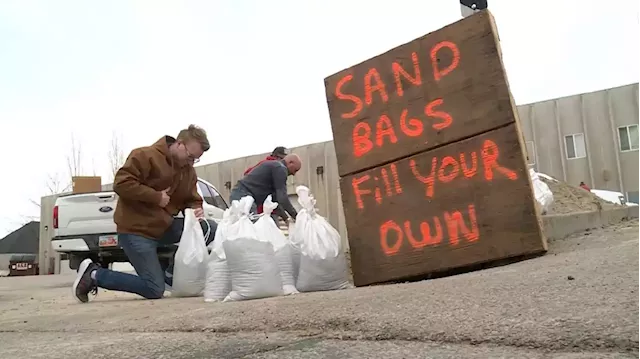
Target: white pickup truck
column 84, row 228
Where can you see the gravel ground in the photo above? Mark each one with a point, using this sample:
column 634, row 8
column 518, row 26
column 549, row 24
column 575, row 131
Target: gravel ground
column 578, row 301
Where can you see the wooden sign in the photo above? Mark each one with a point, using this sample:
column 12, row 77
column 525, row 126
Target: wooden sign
column 433, row 170
column 437, row 89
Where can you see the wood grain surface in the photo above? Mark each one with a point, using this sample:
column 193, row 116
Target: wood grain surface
column 440, row 88
column 465, row 203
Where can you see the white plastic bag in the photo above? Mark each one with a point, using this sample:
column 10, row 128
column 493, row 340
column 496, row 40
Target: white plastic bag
column 190, row 264
column 295, row 250
column 269, row 231
column 251, row 261
column 541, row 191
column 322, row 264
column 218, row 283
column 226, row 219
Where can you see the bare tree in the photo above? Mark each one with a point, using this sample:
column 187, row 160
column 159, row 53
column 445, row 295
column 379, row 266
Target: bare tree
column 93, row 167
column 53, row 185
column 74, row 159
column 116, row 154
column 56, row 183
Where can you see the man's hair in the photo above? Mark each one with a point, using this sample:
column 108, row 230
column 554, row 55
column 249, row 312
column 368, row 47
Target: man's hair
column 195, row 133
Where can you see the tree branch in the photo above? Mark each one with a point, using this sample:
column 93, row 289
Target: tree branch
column 116, row 154
column 74, row 159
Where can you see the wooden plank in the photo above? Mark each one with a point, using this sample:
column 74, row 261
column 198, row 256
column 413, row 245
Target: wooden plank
column 453, row 87
column 442, row 210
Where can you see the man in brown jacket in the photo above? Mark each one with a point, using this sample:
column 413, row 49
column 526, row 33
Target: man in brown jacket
column 154, row 185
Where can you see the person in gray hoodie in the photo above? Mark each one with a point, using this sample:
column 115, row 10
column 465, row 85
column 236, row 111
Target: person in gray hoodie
column 269, row 178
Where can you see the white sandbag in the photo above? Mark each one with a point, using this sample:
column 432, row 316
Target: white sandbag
column 269, row 231
column 251, row 260
column 295, row 250
column 218, row 281
column 541, row 192
column 322, row 264
column 284, row 258
column 190, row 264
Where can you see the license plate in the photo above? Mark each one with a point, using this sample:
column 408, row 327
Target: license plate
column 22, row 266
column 108, row 241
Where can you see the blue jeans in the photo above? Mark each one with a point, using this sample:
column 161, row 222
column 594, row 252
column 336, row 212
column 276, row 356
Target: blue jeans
column 143, row 256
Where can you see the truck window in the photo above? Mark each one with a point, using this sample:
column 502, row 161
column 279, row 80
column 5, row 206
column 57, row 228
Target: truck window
column 211, row 196
column 217, row 198
column 206, row 194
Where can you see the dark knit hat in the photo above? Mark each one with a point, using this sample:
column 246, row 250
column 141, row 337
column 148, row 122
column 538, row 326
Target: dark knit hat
column 280, row 152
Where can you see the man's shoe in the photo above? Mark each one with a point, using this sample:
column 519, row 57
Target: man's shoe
column 84, row 284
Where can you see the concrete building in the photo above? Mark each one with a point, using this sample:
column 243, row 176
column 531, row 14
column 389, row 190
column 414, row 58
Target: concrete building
column 590, row 137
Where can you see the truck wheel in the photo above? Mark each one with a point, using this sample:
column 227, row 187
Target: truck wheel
column 75, row 260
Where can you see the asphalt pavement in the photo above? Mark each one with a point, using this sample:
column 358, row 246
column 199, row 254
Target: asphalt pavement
column 580, row 300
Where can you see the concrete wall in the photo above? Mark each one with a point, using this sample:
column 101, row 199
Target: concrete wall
column 4, row 261
column 560, row 226
column 49, row 260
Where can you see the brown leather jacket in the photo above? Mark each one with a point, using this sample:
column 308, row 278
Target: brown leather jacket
column 139, row 183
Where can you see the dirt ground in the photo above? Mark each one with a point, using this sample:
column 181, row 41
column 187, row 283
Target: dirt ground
column 570, row 199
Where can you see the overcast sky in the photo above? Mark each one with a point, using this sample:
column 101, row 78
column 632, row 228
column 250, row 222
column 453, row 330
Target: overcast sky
column 247, row 69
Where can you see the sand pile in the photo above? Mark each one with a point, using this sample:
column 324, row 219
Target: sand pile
column 569, row 199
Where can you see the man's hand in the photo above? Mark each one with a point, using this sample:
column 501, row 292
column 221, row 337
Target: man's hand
column 199, row 213
column 164, row 200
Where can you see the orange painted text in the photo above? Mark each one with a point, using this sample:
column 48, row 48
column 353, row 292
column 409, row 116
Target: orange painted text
column 375, row 89
column 464, row 165
column 450, row 228
column 385, row 182
column 390, row 185
column 387, row 129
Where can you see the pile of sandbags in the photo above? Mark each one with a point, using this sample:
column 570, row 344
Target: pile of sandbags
column 255, row 260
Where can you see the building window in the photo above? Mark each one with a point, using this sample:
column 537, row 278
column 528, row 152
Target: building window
column 531, row 153
column 628, row 136
column 574, row 145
